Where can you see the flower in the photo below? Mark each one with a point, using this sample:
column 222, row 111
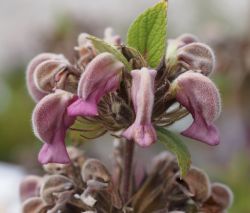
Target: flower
column 187, row 52
column 142, row 91
column 33, row 89
column 105, row 96
column 201, row 98
column 50, row 123
column 102, row 75
column 50, row 73
column 86, row 50
column 197, row 56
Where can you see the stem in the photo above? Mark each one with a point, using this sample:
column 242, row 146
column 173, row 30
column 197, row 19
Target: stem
column 127, row 169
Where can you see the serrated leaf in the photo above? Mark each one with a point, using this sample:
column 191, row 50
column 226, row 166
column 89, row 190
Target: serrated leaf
column 102, row 46
column 148, row 33
column 176, row 146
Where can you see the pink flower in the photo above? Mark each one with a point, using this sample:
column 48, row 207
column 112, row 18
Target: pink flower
column 188, row 52
column 51, row 74
column 33, row 89
column 201, row 98
column 102, row 75
column 197, row 57
column 50, row 123
column 142, row 92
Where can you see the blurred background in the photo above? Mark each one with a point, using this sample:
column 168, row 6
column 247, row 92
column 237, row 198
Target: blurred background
column 29, row 28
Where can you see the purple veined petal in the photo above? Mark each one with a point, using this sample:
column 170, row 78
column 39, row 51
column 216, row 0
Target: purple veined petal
column 111, row 38
column 50, row 123
column 201, row 98
column 34, row 92
column 142, row 130
column 102, row 75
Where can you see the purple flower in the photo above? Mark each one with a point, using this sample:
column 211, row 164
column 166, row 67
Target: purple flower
column 198, row 57
column 102, row 75
column 190, row 54
column 33, row 89
column 50, row 123
column 201, row 98
column 142, row 92
column 50, row 74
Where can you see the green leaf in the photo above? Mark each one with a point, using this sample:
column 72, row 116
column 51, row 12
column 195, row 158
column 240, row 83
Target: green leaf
column 148, row 33
column 176, row 146
column 101, row 46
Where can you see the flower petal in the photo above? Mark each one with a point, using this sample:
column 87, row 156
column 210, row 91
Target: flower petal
column 201, row 98
column 102, row 75
column 34, row 92
column 86, row 50
column 142, row 130
column 48, row 73
column 30, row 187
column 197, row 57
column 187, row 38
column 50, row 123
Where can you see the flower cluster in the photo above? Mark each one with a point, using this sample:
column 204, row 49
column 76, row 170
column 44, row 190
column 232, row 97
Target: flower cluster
column 101, row 90
column 86, row 185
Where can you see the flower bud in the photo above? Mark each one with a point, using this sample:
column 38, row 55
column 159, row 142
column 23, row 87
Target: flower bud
column 49, row 73
column 142, row 92
column 187, row 39
column 34, row 91
column 201, row 98
column 102, row 75
column 50, row 123
column 86, row 50
column 197, row 57
column 175, row 44
column 97, row 178
column 55, row 185
column 198, row 184
column 166, row 163
column 94, row 169
column 30, row 187
column 222, row 195
column 111, row 38
column 34, row 205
